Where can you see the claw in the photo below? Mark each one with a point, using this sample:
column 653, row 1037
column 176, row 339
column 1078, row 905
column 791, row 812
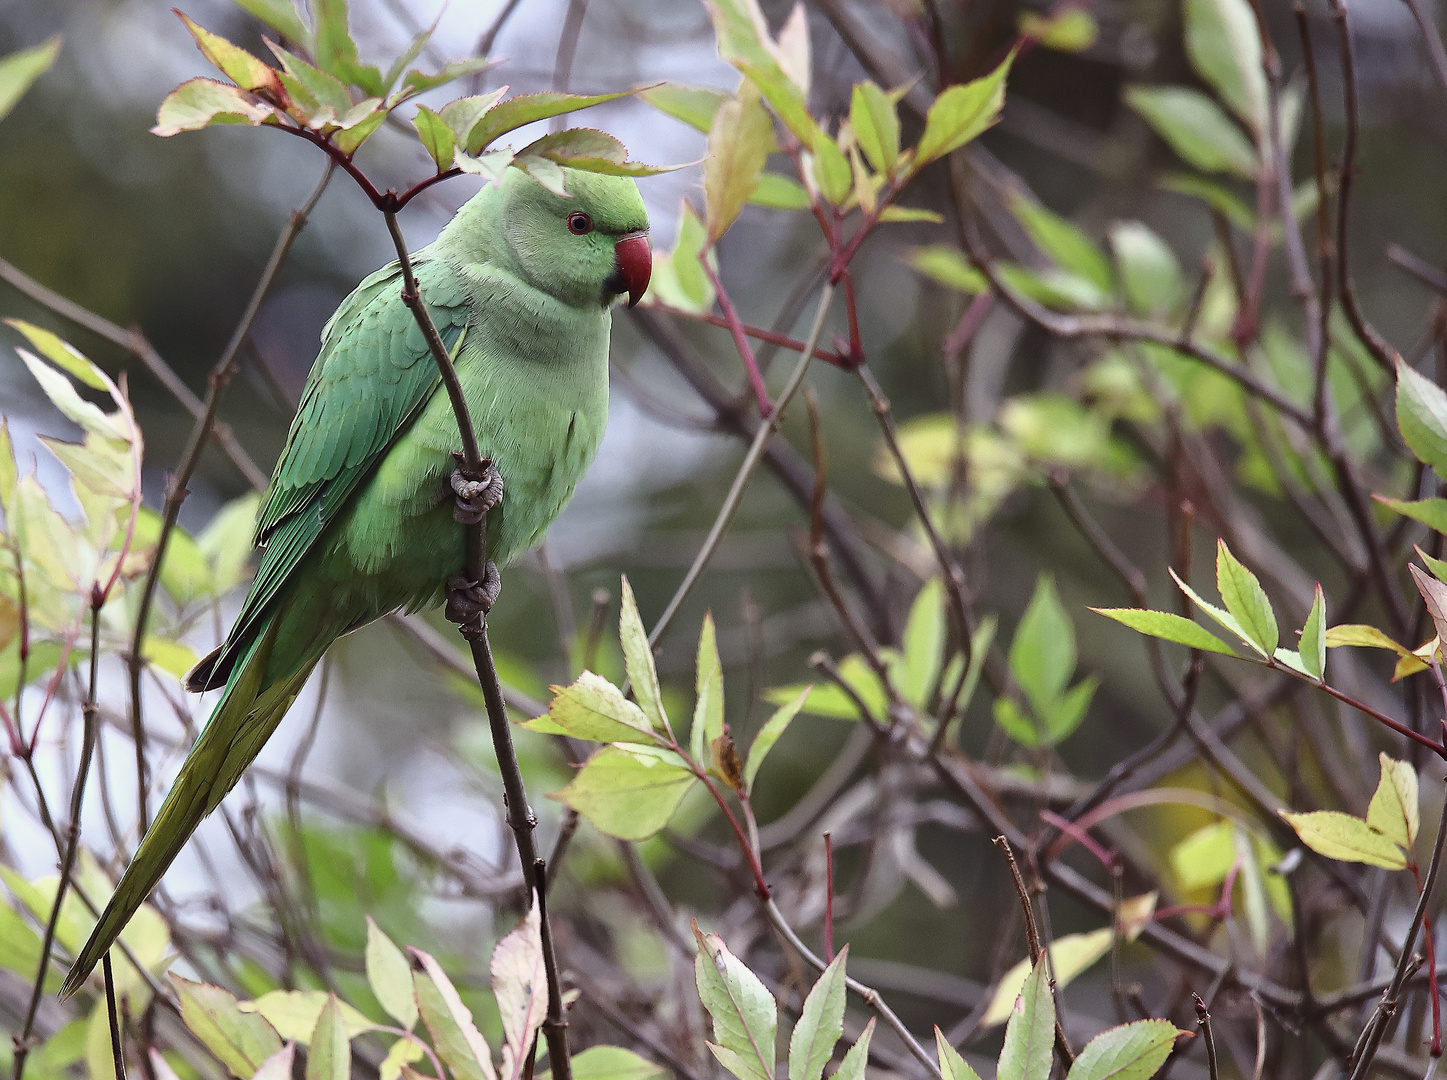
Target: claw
column 468, row 601
column 476, row 497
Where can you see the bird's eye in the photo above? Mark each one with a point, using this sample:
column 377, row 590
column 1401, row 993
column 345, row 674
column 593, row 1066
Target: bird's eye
column 580, row 224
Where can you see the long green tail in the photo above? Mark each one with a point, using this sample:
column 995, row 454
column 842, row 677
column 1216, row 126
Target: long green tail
column 244, row 719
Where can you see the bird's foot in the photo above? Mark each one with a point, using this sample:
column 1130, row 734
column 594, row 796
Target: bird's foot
column 468, row 601
column 476, row 497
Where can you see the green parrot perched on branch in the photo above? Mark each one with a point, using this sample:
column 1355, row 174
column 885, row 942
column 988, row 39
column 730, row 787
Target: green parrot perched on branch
column 363, row 514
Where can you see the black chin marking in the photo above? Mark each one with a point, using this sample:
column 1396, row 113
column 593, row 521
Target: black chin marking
column 614, row 285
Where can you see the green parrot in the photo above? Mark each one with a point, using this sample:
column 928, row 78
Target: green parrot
column 364, row 512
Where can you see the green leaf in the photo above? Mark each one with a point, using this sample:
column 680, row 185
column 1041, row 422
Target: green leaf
column 627, row 795
column 241, row 1041
column 390, row 976
column 1042, row 654
column 295, row 1014
column 774, row 191
column 405, row 1051
column 335, row 50
column 1054, row 287
column 19, row 944
column 593, row 708
column 1071, row 29
column 962, row 113
column 1393, row 811
column 1224, row 45
column 1195, row 128
column 588, row 149
column 923, row 645
column 238, row 65
column 1133, row 1051
column 280, row 15
column 525, row 109
column 1246, row 600
column 612, row 1063
column 1430, row 512
column 708, row 709
column 875, row 122
column 455, row 1037
column 1361, row 635
column 1213, row 195
column 821, row 1023
column 19, row 70
column 739, row 143
column 831, row 701
column 1067, row 712
column 419, row 82
column 329, row 1056
column 907, row 214
column 1349, row 839
column 198, row 103
column 1149, row 272
column 852, row 1067
column 1434, row 596
column 952, row 1065
column 437, row 138
column 358, row 125
column 679, row 279
column 1206, row 856
column 520, row 985
column 1422, row 417
column 1168, row 626
column 949, row 267
column 1313, row 637
column 696, row 106
column 638, row 660
column 463, row 114
column 1030, row 1034
column 745, row 1018
column 1017, row 724
column 1070, row 956
column 170, row 656
column 1064, row 244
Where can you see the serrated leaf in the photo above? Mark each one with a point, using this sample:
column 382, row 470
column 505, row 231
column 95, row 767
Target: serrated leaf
column 513, row 113
column 329, row 1055
column 1195, row 128
column 1132, row 1051
column 454, row 1035
column 630, row 796
column 198, row 103
column 462, row 114
column 520, row 985
column 696, row 106
column 295, row 1014
column 1346, row 838
column 1169, row 627
column 1393, row 811
column 1224, row 44
column 590, row 150
column 19, row 70
column 1246, row 600
column 241, row 1042
column 821, row 1023
column 961, row 113
column 1422, row 417
column 638, row 660
column 952, row 1065
column 61, row 353
column 739, row 143
column 1313, row 637
column 1361, row 635
column 238, row 65
column 593, row 708
column 745, row 1017
column 855, row 1059
column 1030, row 1034
column 708, row 709
column 1434, row 596
column 390, row 976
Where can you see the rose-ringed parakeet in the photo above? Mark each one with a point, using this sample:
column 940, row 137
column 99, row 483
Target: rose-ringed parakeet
column 360, row 518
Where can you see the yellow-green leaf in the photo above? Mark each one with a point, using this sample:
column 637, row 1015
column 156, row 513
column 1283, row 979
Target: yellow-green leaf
column 241, row 1041
column 625, row 794
column 1349, row 839
column 454, row 1035
column 295, row 1014
column 593, row 708
column 708, row 710
column 1133, row 1051
column 390, row 976
column 1169, row 627
column 745, row 1017
column 1313, row 637
column 739, row 143
column 1070, row 955
column 238, row 65
column 961, row 113
column 19, row 70
column 1393, row 811
column 329, row 1055
column 197, row 103
column 1030, row 1034
column 1246, row 600
column 638, row 660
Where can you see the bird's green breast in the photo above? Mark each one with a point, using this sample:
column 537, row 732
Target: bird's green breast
column 535, row 374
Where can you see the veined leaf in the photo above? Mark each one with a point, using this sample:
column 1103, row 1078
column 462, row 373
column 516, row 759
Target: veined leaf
column 1224, row 45
column 1168, row 626
column 458, row 1042
column 525, row 109
column 821, row 1023
column 1393, row 811
column 952, row 1065
column 329, row 1057
column 852, row 1067
column 520, row 985
column 295, row 1014
column 390, row 976
column 1030, row 1034
column 238, row 65
column 627, row 795
column 740, row 142
column 593, row 708
column 242, row 1042
column 962, row 113
column 280, row 15
column 638, row 660
column 1313, row 637
column 198, row 103
column 1430, row 512
column 1246, row 600
column 876, row 126
column 745, row 1017
column 696, row 106
column 437, row 138
column 1434, row 596
column 1134, row 1051
column 612, row 1063
column 769, row 734
column 1070, row 955
column 1349, row 839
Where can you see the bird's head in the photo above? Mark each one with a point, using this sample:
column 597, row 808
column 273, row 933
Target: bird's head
column 588, row 247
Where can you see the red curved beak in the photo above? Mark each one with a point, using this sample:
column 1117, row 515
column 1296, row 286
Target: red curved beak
column 634, row 260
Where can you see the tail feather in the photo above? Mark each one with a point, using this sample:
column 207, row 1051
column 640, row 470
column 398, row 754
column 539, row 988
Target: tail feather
column 243, row 720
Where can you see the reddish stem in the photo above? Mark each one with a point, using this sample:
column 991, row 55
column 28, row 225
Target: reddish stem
column 768, row 336
column 1080, row 836
column 741, row 340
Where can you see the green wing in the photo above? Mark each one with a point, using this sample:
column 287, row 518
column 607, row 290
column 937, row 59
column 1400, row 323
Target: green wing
column 372, row 374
